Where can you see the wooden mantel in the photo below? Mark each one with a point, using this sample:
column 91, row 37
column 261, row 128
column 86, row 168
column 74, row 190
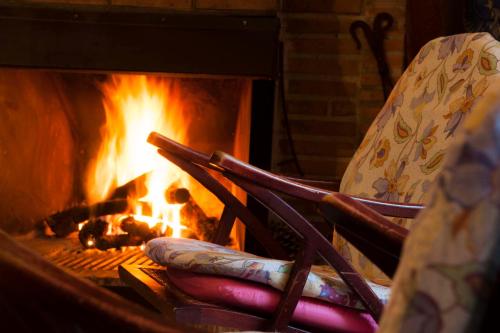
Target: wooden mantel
column 113, row 39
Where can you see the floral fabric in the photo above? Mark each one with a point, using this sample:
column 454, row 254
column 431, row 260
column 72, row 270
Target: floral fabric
column 452, row 256
column 404, row 149
column 201, row 257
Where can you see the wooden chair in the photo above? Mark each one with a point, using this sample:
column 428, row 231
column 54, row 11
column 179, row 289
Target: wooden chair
column 431, row 86
column 37, row 296
column 153, row 285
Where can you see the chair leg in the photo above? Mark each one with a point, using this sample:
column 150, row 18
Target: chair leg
column 294, row 288
column 225, row 225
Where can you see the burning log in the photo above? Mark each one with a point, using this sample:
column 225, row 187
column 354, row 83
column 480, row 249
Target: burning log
column 139, row 229
column 65, row 222
column 135, row 188
column 202, row 227
column 177, row 195
column 93, row 234
column 116, row 241
column 91, row 231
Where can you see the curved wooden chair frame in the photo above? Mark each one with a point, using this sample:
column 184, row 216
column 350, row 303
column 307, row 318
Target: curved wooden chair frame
column 369, row 230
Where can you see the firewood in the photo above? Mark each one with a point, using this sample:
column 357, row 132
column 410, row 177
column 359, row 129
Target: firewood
column 65, row 222
column 207, row 228
column 135, row 188
column 177, row 195
column 192, row 212
column 93, row 234
column 117, row 241
column 200, row 225
column 91, row 231
column 138, row 228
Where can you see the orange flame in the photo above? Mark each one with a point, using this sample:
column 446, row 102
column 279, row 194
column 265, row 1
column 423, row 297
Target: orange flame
column 135, row 105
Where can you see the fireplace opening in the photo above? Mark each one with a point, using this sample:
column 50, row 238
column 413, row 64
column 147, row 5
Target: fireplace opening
column 88, row 133
column 79, row 93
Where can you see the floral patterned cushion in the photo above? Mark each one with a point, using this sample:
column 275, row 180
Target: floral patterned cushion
column 452, row 256
column 201, row 257
column 404, row 148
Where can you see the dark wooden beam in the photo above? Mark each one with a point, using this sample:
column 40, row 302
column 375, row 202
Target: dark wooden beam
column 107, row 39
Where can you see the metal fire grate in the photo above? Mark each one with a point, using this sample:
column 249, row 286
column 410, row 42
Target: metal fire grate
column 98, row 266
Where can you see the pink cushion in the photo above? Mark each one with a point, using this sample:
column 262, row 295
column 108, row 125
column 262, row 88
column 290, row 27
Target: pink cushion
column 255, row 297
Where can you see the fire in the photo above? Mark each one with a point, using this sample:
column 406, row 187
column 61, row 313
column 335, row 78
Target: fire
column 135, row 105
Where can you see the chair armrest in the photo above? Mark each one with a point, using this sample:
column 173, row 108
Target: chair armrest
column 386, row 208
column 302, row 189
column 390, row 208
column 330, row 185
column 178, row 149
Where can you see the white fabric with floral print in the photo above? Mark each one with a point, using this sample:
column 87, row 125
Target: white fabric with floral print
column 404, row 149
column 451, row 260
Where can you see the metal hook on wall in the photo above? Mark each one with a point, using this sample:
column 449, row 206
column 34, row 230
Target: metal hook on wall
column 375, row 37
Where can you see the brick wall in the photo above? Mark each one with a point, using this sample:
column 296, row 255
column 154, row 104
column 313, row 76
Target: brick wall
column 332, row 89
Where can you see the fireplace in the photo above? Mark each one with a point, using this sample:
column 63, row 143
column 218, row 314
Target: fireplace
column 75, row 85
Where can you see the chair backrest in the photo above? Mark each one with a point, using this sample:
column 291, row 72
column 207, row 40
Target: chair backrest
column 404, row 148
column 449, row 273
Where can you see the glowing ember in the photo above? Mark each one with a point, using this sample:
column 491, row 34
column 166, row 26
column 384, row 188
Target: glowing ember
column 135, row 106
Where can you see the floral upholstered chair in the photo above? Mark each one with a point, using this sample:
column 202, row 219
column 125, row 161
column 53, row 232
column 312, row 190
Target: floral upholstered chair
column 448, row 276
column 451, row 79
column 404, row 149
column 447, row 279
column 449, row 272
